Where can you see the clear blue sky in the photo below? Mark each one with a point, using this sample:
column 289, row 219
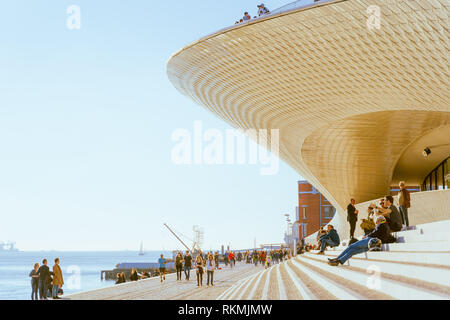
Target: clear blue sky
column 86, row 118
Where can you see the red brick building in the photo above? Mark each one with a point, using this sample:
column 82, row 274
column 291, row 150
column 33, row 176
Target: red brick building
column 314, row 210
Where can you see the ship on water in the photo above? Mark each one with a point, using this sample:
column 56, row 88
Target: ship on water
column 141, row 250
column 8, row 246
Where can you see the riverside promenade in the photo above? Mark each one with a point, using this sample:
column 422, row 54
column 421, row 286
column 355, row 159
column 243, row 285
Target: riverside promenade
column 416, row 267
column 171, row 289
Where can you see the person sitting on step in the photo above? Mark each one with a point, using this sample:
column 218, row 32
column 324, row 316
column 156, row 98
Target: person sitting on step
column 320, row 234
column 391, row 214
column 372, row 241
column 368, row 225
column 330, row 239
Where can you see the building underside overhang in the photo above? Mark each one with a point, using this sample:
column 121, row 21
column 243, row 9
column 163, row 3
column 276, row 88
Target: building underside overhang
column 353, row 105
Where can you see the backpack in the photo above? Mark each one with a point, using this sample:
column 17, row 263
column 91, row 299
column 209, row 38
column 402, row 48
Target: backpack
column 367, row 224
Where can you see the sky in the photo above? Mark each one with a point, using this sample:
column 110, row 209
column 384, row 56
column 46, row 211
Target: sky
column 86, row 124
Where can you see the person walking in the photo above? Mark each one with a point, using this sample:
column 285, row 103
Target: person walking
column 162, row 268
column 187, row 265
column 210, row 267
column 216, row 259
column 58, row 280
column 200, row 271
column 34, row 274
column 268, row 261
column 231, row 259
column 404, row 201
column 352, row 217
column 263, row 258
column 225, row 258
column 179, row 265
column 44, row 275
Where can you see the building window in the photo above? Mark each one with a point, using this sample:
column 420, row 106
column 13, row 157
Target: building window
column 305, row 230
column 329, row 212
column 304, row 213
column 438, row 179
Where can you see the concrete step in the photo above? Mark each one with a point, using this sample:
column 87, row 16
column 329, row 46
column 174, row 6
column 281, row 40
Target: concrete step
column 436, row 276
column 235, row 289
column 336, row 289
column 436, row 231
column 432, row 246
column 309, row 277
column 432, row 259
column 416, row 236
column 374, row 283
column 431, row 227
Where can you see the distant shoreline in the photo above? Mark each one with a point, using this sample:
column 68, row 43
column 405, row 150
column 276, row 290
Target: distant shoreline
column 84, row 251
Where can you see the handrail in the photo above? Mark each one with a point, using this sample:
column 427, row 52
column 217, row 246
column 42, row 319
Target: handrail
column 289, row 7
column 286, row 9
column 296, row 5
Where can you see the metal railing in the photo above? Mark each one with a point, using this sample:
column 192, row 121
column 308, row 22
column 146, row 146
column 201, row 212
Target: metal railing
column 299, row 4
column 296, row 5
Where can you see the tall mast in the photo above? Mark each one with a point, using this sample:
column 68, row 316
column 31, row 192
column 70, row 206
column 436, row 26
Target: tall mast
column 177, row 237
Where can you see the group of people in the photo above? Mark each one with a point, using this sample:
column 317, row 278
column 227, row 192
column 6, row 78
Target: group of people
column 204, row 263
column 229, row 258
column 135, row 276
column 208, row 263
column 267, row 258
column 45, row 282
column 397, row 218
column 262, row 10
column 382, row 220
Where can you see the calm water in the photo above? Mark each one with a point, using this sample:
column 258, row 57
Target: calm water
column 16, row 266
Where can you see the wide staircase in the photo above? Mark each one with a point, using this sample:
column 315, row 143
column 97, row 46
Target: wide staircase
column 416, row 267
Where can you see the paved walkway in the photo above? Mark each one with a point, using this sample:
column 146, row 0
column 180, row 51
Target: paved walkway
column 153, row 289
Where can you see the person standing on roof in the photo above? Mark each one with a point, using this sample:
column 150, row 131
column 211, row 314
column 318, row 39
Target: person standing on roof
column 262, row 10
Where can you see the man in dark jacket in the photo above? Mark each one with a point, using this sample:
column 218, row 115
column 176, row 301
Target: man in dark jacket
column 187, row 259
column 380, row 235
column 352, row 217
column 330, row 239
column 391, row 214
column 44, row 275
column 404, row 201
